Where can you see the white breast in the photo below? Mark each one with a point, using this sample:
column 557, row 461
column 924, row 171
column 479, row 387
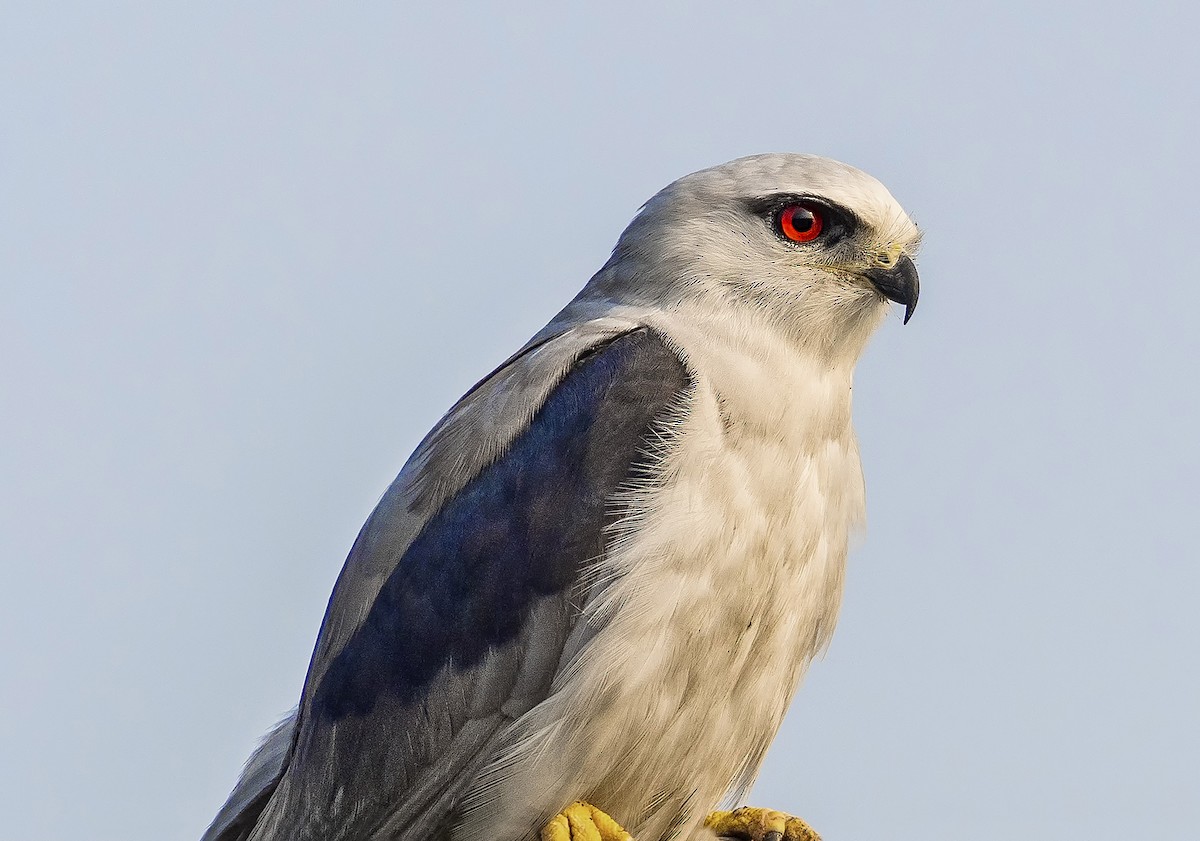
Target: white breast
column 725, row 582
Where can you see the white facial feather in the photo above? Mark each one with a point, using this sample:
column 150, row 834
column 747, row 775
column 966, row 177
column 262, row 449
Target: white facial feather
column 697, row 240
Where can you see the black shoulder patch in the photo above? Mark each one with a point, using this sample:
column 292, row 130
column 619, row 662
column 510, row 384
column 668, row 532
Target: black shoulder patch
column 520, row 530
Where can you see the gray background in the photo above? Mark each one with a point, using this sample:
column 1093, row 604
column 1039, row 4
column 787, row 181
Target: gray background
column 248, row 257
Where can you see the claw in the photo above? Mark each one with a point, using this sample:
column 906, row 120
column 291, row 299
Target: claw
column 752, row 824
column 583, row 822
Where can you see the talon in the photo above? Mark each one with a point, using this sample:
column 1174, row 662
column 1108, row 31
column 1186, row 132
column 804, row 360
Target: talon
column 583, row 822
column 753, row 824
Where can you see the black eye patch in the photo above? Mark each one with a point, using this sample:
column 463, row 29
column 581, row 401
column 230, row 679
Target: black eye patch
column 778, row 211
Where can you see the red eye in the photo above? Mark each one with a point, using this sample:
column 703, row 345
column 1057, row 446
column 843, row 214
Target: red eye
column 801, row 222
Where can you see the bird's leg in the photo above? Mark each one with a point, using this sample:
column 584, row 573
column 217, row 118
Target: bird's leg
column 751, row 824
column 583, row 822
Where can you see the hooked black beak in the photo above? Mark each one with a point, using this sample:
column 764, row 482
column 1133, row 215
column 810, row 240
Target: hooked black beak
column 898, row 283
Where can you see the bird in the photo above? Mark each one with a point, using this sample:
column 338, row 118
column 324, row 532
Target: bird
column 583, row 607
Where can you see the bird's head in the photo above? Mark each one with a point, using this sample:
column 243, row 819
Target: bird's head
column 812, row 244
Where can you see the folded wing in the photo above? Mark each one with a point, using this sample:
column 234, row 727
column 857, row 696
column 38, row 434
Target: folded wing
column 449, row 619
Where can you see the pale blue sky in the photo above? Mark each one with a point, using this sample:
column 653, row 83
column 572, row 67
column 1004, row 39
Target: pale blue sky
column 248, row 257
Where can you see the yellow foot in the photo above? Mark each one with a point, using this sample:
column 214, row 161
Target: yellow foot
column 584, row 822
column 751, row 824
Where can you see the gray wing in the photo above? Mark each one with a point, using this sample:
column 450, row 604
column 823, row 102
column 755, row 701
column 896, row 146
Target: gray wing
column 449, row 618
column 254, row 788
